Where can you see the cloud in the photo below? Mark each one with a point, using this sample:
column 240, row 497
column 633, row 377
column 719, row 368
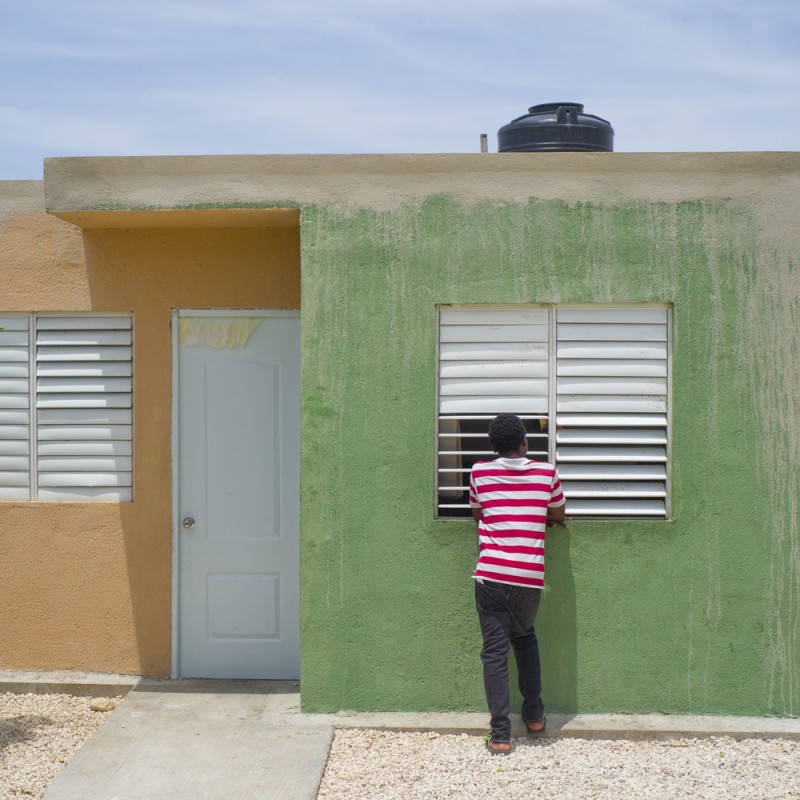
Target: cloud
column 203, row 76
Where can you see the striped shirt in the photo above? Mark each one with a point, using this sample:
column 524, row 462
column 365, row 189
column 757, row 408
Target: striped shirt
column 513, row 495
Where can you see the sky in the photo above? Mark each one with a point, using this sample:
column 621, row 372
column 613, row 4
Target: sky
column 198, row 77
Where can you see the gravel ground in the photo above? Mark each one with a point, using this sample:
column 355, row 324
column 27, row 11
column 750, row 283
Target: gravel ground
column 383, row 765
column 39, row 734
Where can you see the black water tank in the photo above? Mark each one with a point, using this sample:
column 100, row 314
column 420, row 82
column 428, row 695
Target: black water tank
column 556, row 127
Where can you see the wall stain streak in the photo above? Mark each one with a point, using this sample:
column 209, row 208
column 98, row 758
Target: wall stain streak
column 776, row 393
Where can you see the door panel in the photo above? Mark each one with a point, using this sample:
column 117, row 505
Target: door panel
column 238, row 483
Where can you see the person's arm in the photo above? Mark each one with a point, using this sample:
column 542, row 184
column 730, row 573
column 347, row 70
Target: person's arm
column 556, row 513
column 556, row 516
column 476, row 513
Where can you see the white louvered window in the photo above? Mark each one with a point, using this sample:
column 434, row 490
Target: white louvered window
column 66, row 389
column 596, row 376
column 15, row 408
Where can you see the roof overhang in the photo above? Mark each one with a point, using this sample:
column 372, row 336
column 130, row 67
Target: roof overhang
column 183, row 218
column 270, row 190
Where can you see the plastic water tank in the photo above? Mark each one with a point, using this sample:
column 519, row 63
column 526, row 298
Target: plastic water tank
column 556, row 127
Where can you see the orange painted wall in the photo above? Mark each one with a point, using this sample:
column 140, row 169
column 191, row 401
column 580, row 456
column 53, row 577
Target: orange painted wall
column 89, row 586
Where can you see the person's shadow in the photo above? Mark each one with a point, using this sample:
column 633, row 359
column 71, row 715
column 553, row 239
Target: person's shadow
column 556, row 629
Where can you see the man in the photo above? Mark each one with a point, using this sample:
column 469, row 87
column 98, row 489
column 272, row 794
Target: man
column 513, row 500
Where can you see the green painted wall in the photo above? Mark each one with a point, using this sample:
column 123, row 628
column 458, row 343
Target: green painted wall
column 695, row 615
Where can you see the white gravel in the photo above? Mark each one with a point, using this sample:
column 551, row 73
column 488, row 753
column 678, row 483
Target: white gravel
column 383, row 765
column 39, row 734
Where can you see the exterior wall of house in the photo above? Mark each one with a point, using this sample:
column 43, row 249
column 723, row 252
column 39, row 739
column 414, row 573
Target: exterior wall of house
column 88, row 586
column 698, row 614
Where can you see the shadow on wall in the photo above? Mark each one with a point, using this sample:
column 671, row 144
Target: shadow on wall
column 557, row 626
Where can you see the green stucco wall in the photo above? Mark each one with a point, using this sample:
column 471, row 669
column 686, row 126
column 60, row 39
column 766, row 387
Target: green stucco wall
column 695, row 615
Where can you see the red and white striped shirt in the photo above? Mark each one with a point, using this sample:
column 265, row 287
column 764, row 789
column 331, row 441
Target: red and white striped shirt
column 513, row 495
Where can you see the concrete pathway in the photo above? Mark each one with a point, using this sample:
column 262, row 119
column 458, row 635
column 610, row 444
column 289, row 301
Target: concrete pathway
column 242, row 740
column 201, row 740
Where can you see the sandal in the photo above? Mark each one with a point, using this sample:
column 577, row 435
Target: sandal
column 536, row 727
column 498, row 748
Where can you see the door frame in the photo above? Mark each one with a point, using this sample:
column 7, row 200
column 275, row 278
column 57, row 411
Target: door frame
column 177, row 314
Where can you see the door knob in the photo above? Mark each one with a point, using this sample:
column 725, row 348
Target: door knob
column 188, row 523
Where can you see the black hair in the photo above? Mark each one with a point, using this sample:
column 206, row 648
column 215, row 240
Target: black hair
column 506, row 432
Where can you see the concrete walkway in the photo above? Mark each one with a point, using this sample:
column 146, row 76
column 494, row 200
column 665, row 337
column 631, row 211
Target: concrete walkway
column 201, row 740
column 242, row 740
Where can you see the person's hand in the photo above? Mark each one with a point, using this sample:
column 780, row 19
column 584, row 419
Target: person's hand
column 562, row 523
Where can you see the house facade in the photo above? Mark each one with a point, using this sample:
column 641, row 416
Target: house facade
column 244, row 394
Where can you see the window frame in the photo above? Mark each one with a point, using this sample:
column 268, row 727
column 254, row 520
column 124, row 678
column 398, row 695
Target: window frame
column 552, row 413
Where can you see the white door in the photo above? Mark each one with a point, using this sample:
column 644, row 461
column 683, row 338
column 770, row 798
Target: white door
column 238, row 486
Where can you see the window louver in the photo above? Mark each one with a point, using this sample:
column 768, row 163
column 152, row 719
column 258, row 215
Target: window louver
column 611, row 410
column 84, row 408
column 65, row 407
column 490, row 361
column 15, row 423
column 607, row 400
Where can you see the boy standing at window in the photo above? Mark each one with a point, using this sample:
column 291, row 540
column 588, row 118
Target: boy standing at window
column 513, row 500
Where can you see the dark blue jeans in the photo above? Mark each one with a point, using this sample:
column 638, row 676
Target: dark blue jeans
column 506, row 614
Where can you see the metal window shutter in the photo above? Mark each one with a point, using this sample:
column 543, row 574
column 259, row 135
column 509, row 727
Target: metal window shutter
column 611, row 410
column 84, row 393
column 491, row 361
column 15, row 428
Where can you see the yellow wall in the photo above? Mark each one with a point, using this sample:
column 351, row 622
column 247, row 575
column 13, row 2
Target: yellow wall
column 89, row 585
